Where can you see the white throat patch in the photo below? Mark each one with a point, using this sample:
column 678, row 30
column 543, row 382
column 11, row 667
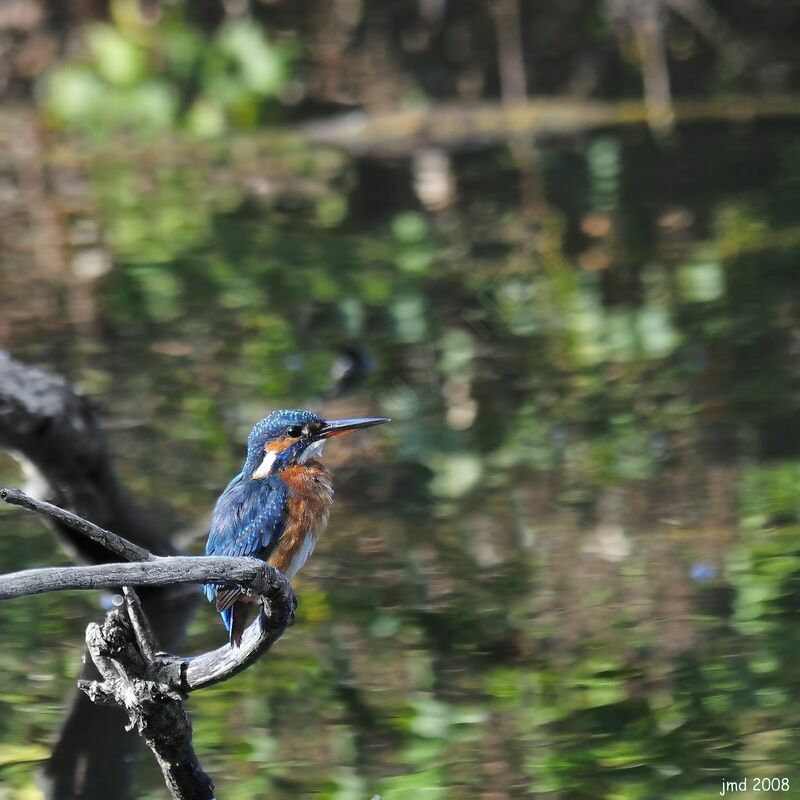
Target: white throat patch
column 314, row 450
column 265, row 467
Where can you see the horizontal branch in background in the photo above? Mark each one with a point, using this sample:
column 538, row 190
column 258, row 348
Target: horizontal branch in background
column 453, row 126
column 450, row 126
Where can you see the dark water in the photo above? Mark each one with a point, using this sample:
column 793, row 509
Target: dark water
column 570, row 566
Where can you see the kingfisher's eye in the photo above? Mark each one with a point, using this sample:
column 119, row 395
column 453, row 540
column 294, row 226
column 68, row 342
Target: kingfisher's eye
column 295, row 431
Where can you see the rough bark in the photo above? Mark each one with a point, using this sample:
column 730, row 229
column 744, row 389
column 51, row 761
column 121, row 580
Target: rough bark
column 150, row 687
column 134, row 675
column 154, row 708
column 246, row 572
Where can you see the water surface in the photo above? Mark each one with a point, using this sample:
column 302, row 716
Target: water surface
column 569, row 568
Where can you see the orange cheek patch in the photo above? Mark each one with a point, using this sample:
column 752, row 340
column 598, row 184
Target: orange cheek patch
column 279, row 445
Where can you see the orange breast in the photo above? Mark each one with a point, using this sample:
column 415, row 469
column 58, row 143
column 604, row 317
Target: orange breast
column 307, row 508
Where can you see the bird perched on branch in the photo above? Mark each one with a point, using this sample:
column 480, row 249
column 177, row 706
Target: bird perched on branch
column 277, row 507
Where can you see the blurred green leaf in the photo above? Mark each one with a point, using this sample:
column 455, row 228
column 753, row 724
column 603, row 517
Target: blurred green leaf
column 118, row 60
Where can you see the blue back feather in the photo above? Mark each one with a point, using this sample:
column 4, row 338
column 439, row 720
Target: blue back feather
column 248, row 520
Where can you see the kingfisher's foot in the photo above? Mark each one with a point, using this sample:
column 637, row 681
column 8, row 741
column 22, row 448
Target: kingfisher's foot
column 295, row 604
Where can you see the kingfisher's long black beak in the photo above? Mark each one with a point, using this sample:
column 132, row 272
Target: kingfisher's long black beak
column 336, row 427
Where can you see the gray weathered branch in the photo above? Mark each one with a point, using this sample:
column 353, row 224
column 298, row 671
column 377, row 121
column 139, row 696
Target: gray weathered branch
column 275, row 616
column 58, row 431
column 131, row 681
column 250, row 573
column 110, row 541
column 254, row 576
column 149, row 685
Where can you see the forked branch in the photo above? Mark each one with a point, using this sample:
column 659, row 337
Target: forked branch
column 148, row 685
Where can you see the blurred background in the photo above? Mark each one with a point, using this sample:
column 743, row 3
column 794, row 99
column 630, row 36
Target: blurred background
column 556, row 242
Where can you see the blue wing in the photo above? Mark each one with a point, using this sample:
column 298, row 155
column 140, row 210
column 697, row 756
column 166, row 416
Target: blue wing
column 248, row 520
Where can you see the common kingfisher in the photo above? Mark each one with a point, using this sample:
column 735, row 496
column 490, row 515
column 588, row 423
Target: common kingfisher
column 277, row 507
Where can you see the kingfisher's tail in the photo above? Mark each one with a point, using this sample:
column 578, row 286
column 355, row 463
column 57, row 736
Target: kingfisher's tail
column 233, row 607
column 235, row 617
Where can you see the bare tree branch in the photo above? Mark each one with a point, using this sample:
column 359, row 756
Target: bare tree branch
column 150, row 686
column 154, row 708
column 250, row 573
column 145, row 637
column 268, row 586
column 58, row 431
column 110, row 541
column 225, row 662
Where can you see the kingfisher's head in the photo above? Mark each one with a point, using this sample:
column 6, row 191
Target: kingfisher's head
column 290, row 437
